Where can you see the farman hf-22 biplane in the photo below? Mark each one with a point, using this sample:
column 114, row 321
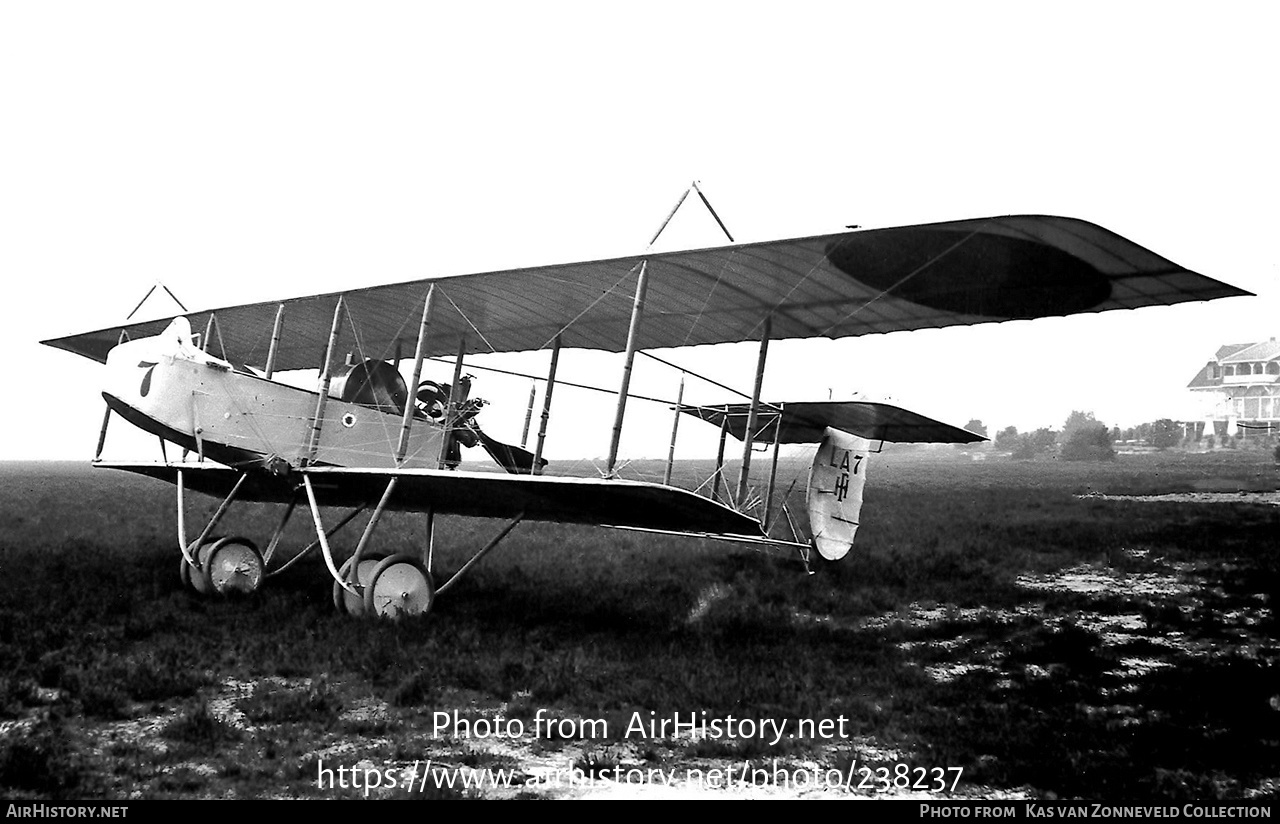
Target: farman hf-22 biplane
column 365, row 437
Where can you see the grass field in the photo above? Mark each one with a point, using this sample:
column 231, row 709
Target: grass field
column 988, row 619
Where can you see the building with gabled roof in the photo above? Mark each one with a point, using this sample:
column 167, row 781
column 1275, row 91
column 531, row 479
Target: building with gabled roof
column 1241, row 389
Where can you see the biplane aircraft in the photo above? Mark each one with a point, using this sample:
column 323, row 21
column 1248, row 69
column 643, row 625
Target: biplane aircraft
column 365, row 437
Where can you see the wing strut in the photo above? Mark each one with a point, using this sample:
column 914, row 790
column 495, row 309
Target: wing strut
column 546, row 406
column 326, row 377
column 276, row 327
column 724, row 434
column 450, row 442
column 637, row 309
column 188, row 549
column 419, row 353
column 773, row 468
column 745, row 474
column 485, row 550
column 323, row 538
column 675, row 427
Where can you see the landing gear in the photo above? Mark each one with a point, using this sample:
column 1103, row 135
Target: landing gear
column 377, row 584
column 399, row 587
column 345, row 601
column 234, row 567
column 227, row 566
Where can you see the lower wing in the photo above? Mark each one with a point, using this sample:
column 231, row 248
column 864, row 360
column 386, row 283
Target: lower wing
column 593, row 501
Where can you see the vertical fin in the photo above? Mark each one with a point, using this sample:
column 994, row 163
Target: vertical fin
column 836, row 479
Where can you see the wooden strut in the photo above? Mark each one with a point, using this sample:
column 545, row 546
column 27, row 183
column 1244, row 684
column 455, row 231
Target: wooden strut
column 317, row 420
column 324, row 540
column 670, row 215
column 369, row 528
column 475, row 559
column 276, row 329
column 633, row 331
column 707, row 203
column 724, row 433
column 528, row 416
column 102, row 435
column 217, row 516
column 106, row 415
column 546, row 406
column 419, row 354
column 675, row 427
column 744, row 475
column 451, row 411
column 309, row 548
column 275, row 537
column 773, row 469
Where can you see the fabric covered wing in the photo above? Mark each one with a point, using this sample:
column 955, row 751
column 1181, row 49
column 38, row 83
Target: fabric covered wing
column 806, row 422
column 846, row 284
column 481, row 494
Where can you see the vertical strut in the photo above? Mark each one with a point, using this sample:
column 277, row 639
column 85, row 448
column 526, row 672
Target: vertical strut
column 371, row 526
column 744, row 474
column 546, row 406
column 217, row 516
column 773, row 469
column 317, row 420
column 637, row 310
column 528, row 414
column 451, row 412
column 275, row 341
column 102, row 436
column 323, row 537
column 419, row 353
column 724, row 433
column 675, row 427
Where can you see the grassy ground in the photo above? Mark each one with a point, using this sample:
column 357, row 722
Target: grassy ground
column 957, row 634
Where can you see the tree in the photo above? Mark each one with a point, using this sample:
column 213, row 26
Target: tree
column 975, row 426
column 1007, row 439
column 1164, row 433
column 1035, row 443
column 1089, row 443
column 1077, row 420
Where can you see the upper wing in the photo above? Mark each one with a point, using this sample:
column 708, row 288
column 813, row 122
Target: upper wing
column 846, row 284
column 806, row 422
column 481, row 494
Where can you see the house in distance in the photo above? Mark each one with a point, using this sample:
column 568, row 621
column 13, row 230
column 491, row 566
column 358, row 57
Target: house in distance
column 1241, row 390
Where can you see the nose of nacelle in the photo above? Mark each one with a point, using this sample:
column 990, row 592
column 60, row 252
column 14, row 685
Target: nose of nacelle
column 136, row 371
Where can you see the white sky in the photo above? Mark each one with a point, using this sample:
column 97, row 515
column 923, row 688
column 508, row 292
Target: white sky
column 242, row 151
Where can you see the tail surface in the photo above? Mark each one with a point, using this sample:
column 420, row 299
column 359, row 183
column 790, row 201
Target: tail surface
column 836, row 479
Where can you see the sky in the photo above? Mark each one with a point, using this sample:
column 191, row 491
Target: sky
column 245, row 151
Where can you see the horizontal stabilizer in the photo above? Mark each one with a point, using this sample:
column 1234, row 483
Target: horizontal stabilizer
column 807, row 422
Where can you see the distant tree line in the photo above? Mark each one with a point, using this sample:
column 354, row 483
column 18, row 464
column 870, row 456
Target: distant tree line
column 1084, row 438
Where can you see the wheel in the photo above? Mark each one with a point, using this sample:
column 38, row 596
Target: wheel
column 194, row 578
column 401, row 588
column 232, row 566
column 345, row 601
